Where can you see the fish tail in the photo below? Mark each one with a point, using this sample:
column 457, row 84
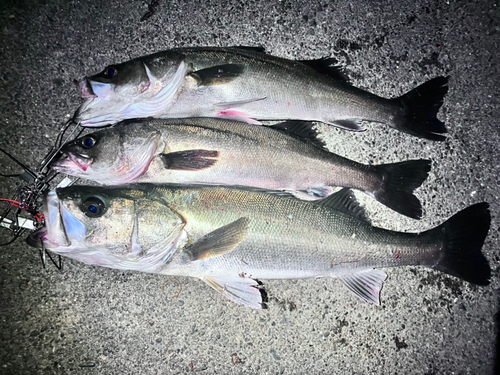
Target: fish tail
column 464, row 235
column 398, row 182
column 419, row 109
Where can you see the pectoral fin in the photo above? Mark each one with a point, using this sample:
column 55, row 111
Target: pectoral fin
column 243, row 291
column 217, row 75
column 239, row 103
column 190, row 160
column 221, row 241
column 365, row 284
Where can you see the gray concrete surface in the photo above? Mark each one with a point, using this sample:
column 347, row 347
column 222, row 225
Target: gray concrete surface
column 89, row 320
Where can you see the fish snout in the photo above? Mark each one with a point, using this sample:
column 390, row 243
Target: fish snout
column 85, row 88
column 71, row 156
column 37, row 237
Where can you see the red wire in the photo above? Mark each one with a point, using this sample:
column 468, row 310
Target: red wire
column 11, row 201
column 38, row 216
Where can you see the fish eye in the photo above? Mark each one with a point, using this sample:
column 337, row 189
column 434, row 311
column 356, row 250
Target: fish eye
column 93, row 207
column 88, row 141
column 110, row 71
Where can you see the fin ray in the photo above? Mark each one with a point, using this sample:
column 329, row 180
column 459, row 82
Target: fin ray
column 237, row 289
column 221, row 241
column 419, row 109
column 190, row 160
column 366, row 285
column 398, row 182
column 344, row 201
column 464, row 235
column 328, row 66
column 219, row 74
column 302, row 129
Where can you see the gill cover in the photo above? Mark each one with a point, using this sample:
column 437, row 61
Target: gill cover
column 113, row 156
column 127, row 232
column 142, row 87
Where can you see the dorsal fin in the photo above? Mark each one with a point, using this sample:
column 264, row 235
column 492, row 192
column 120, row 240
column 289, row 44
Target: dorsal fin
column 345, row 202
column 327, row 66
column 302, row 129
column 251, row 48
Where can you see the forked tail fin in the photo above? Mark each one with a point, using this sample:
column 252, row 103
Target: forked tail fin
column 464, row 235
column 398, row 182
column 419, row 109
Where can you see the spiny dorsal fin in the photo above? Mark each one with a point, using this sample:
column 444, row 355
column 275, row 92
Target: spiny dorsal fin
column 221, row 241
column 345, row 202
column 303, row 129
column 327, row 66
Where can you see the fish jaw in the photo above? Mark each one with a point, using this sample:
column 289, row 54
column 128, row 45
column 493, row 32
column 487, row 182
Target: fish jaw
column 85, row 88
column 107, row 104
column 129, row 164
column 62, row 230
column 72, row 164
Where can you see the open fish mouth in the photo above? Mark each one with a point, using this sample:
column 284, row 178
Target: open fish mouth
column 70, row 162
column 62, row 230
column 38, row 237
column 85, row 88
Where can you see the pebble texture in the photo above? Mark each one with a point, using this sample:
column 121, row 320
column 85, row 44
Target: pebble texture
column 89, row 320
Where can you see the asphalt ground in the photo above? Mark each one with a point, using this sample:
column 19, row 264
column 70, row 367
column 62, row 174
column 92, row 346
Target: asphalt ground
column 90, row 320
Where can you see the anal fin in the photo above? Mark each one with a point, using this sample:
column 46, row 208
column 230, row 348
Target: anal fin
column 365, row 284
column 240, row 290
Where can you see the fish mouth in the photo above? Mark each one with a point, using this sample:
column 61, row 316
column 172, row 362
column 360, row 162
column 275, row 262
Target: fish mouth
column 87, row 93
column 62, row 231
column 71, row 162
column 85, row 87
column 37, row 238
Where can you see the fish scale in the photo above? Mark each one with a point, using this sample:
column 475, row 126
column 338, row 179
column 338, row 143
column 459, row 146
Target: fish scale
column 249, row 85
column 230, row 238
column 288, row 156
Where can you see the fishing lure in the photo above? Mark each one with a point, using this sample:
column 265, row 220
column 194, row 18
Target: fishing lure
column 28, row 197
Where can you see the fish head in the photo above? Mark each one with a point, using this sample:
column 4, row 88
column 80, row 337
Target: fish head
column 112, row 156
column 143, row 87
column 111, row 227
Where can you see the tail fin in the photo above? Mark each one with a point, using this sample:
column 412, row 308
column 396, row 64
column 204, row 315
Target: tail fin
column 464, row 235
column 419, row 109
column 398, row 182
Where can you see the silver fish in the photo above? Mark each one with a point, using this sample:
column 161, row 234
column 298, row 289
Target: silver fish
column 248, row 85
column 230, row 238
column 288, row 156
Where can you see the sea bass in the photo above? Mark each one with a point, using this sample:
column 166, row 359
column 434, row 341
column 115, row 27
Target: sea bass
column 288, row 156
column 246, row 84
column 231, row 238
